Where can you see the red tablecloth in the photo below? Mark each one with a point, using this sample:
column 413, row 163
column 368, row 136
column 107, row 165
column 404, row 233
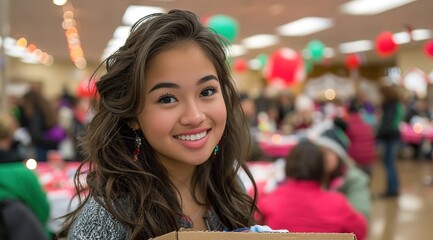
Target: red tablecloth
column 58, row 182
column 54, row 178
column 423, row 132
column 276, row 145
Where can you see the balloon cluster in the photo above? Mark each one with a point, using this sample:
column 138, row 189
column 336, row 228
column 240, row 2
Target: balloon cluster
column 428, row 48
column 224, row 26
column 285, row 67
column 385, row 44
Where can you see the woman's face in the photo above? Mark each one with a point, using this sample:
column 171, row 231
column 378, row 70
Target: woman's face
column 331, row 160
column 184, row 114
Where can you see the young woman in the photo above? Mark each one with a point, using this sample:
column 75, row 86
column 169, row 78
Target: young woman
column 167, row 140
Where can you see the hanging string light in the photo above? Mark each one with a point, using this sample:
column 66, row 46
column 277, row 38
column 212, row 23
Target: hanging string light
column 76, row 53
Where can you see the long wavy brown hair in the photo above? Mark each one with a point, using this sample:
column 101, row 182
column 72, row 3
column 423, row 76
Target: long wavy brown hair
column 139, row 193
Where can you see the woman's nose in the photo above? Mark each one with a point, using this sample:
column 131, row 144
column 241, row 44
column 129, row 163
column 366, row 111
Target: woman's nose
column 192, row 115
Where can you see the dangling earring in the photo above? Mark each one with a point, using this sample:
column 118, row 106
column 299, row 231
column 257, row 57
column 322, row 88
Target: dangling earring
column 137, row 149
column 215, row 150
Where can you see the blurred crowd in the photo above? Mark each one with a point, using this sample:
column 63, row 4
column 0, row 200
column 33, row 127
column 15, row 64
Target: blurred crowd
column 323, row 184
column 324, row 181
column 43, row 130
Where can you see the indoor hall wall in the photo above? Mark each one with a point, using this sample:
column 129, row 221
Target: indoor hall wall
column 52, row 80
column 65, row 74
column 414, row 57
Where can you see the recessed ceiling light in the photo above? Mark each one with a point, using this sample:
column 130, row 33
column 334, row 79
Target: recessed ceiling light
column 371, row 7
column 401, row 37
column 305, row 26
column 235, row 50
column 60, row 2
column 260, row 41
column 134, row 12
column 416, row 35
column 355, row 46
column 122, row 32
column 421, row 34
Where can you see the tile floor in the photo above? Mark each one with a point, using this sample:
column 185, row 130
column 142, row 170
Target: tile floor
column 410, row 216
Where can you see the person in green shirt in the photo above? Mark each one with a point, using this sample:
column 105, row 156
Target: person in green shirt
column 17, row 182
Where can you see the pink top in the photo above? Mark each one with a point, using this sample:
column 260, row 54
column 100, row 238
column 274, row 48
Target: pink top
column 302, row 206
column 362, row 146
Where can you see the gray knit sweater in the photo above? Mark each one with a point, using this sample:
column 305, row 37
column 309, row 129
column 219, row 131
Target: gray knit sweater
column 95, row 222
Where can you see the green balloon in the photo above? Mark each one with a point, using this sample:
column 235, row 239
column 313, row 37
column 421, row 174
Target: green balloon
column 315, row 48
column 308, row 66
column 225, row 26
column 263, row 59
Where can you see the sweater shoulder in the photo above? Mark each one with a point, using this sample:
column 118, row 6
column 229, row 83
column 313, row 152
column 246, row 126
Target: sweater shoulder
column 96, row 222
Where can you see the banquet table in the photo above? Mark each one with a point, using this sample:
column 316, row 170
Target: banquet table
column 276, row 145
column 58, row 183
column 416, row 133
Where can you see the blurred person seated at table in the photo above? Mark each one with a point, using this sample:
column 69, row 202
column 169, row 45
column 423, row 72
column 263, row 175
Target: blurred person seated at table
column 362, row 147
column 249, row 109
column 286, row 104
column 418, row 112
column 419, row 109
column 302, row 203
column 18, row 183
column 40, row 120
column 301, row 118
column 343, row 174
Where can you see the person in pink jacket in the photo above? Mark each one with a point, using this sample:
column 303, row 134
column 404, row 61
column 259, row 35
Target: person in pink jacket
column 362, row 146
column 300, row 203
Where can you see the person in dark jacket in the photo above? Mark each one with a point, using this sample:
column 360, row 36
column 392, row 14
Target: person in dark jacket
column 41, row 123
column 21, row 195
column 388, row 134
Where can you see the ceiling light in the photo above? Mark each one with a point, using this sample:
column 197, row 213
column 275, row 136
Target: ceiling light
column 30, row 58
column 371, row 7
column 305, row 26
column 122, row 32
column 60, row 2
column 355, row 46
column 401, row 37
column 235, row 50
column 416, row 35
column 260, row 41
column 421, row 34
column 134, row 12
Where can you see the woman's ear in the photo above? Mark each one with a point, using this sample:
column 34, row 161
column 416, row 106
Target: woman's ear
column 133, row 124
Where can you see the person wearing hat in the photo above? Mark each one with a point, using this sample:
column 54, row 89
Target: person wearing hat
column 301, row 202
column 342, row 172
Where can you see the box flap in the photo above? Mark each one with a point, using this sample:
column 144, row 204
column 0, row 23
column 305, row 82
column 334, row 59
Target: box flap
column 197, row 235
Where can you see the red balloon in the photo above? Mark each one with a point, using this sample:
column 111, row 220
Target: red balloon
column 285, row 65
column 428, row 48
column 240, row 65
column 385, row 45
column 205, row 19
column 86, row 89
column 353, row 61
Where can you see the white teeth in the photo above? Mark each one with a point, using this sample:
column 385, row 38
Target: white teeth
column 192, row 137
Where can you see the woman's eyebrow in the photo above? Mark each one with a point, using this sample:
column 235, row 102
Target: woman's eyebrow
column 206, row 78
column 174, row 85
column 164, row 85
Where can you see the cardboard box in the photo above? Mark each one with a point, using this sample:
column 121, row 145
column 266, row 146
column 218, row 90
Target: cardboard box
column 197, row 235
